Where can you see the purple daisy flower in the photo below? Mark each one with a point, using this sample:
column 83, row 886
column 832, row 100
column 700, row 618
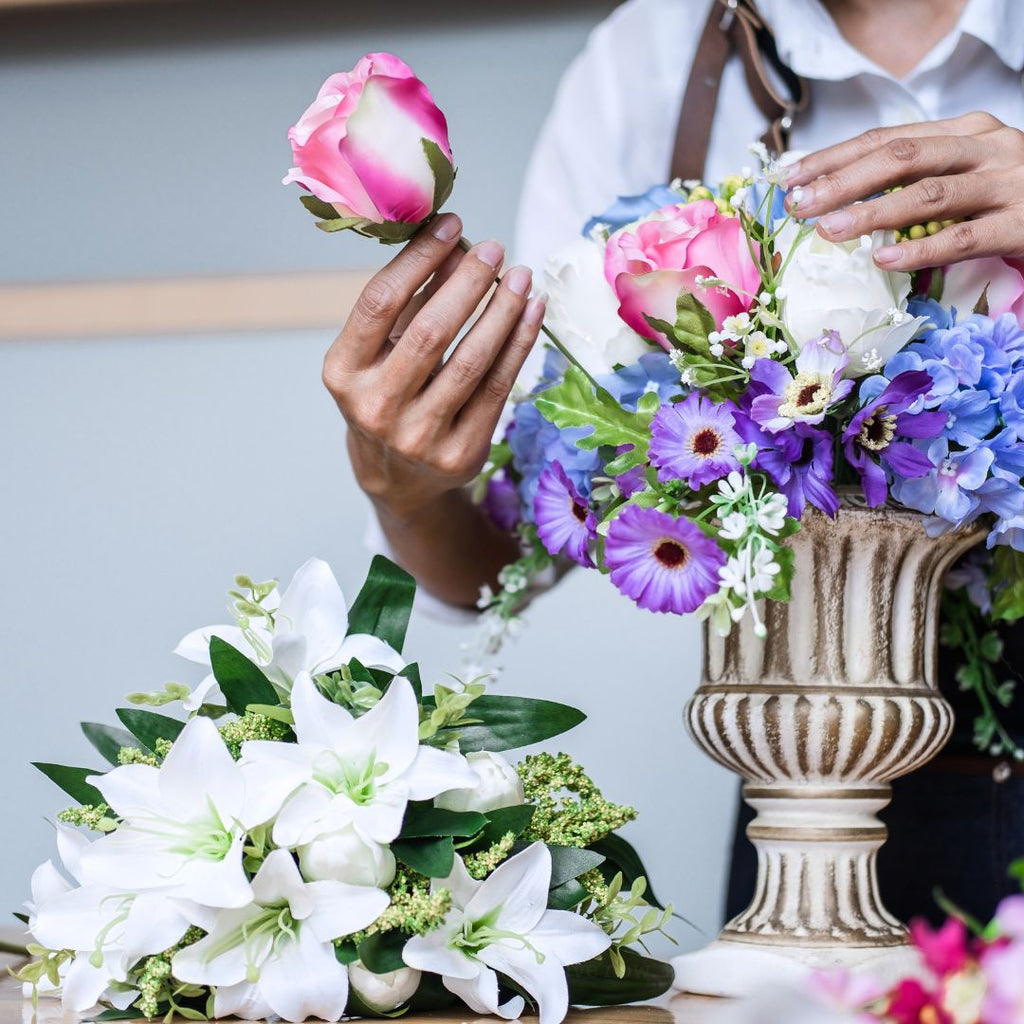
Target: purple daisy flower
column 663, row 563
column 871, row 442
column 693, row 440
column 565, row 523
column 805, row 398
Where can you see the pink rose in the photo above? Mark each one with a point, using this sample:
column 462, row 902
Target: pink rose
column 964, row 283
column 374, row 145
column 651, row 263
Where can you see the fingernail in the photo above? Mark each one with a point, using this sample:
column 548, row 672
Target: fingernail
column 518, row 280
column 837, row 223
column 888, row 254
column 490, row 253
column 446, row 227
column 801, row 195
column 535, row 308
column 792, row 172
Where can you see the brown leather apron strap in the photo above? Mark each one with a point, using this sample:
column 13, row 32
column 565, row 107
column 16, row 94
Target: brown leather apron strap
column 734, row 26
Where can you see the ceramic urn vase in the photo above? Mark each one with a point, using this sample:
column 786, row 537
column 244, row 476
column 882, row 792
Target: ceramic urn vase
column 818, row 718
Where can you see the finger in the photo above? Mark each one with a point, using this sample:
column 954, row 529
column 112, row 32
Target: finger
column 899, row 162
column 438, row 323
column 480, row 414
column 389, row 291
column 998, row 235
column 929, row 201
column 419, row 300
column 466, row 367
column 832, row 158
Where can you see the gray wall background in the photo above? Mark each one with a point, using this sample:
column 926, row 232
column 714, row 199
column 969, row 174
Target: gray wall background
column 138, row 475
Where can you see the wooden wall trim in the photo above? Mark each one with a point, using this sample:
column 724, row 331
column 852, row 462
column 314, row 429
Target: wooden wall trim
column 176, row 306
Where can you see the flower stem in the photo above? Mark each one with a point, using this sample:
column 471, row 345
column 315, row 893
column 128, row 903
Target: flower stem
column 465, row 245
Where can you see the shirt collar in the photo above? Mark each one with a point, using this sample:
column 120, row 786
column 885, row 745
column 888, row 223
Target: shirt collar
column 809, row 42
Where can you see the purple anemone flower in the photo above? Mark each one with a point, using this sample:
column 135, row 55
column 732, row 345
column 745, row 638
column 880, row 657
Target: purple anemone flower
column 871, row 442
column 565, row 523
column 663, row 563
column 693, row 440
column 805, row 398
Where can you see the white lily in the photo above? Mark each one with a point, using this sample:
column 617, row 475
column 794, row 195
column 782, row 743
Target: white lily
column 180, row 828
column 276, row 956
column 502, row 925
column 109, row 929
column 307, row 635
column 344, row 770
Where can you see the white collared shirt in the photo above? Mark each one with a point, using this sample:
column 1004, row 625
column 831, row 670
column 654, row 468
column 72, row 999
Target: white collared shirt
column 613, row 124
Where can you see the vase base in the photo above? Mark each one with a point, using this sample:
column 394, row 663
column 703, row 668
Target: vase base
column 737, row 970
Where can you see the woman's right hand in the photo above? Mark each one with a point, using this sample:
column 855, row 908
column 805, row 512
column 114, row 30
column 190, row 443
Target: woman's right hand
column 420, row 427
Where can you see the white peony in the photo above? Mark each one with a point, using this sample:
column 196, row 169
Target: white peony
column 836, row 286
column 345, row 856
column 498, row 785
column 583, row 310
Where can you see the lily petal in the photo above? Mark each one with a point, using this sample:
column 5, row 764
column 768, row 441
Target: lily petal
column 518, row 889
column 305, row 980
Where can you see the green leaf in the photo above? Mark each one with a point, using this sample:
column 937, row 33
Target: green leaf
column 569, row 862
column 23, row 918
column 1008, row 583
column 1017, row 871
column 594, row 983
column 148, row 727
column 443, row 171
column 384, row 603
column 72, row 781
column 629, row 459
column 381, row 952
column 575, row 403
column 423, row 820
column 509, row 722
column 781, row 591
column 620, row 855
column 566, row 896
column 242, row 682
column 431, row 857
column 108, row 739
column 112, row 1014
column 503, row 820
column 431, row 995
column 318, row 207
column 694, row 323
column 274, row 711
column 991, row 646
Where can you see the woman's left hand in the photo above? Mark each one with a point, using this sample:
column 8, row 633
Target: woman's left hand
column 968, row 168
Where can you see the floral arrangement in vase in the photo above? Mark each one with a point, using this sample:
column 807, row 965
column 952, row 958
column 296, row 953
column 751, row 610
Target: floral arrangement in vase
column 320, row 837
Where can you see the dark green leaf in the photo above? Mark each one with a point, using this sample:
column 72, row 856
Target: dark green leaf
column 384, row 603
column 241, row 682
column 382, row 952
column 430, row 857
column 20, row 916
column 1016, row 871
column 509, row 722
column 318, row 207
column 148, row 727
column 423, row 820
column 566, row 896
column 412, row 673
column 503, row 820
column 620, row 856
column 431, row 995
column 108, row 739
column 346, row 953
column 72, row 781
column 594, row 983
column 567, row 862
column 443, row 171
column 1007, row 583
column 112, row 1014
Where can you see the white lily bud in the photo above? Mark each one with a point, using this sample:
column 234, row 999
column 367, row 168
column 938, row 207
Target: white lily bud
column 498, row 786
column 344, row 856
column 383, row 992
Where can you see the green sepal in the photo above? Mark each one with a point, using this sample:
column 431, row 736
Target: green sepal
column 72, row 781
column 594, row 983
column 442, row 169
column 509, row 722
column 317, row 207
column 341, row 224
column 423, row 821
column 577, row 403
column 567, row 895
column 981, row 306
column 148, row 727
column 431, row 857
column 621, row 857
column 381, row 952
column 241, row 681
column 503, row 820
column 108, row 740
column 384, row 604
column 23, row 918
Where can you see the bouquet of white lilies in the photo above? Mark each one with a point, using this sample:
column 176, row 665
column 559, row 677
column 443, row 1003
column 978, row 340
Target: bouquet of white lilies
column 320, row 838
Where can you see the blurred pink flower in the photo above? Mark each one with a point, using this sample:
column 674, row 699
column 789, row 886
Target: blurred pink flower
column 965, row 282
column 944, row 949
column 1004, row 1001
column 651, row 263
column 359, row 145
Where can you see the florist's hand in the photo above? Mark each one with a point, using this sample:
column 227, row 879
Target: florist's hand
column 419, row 426
column 969, row 167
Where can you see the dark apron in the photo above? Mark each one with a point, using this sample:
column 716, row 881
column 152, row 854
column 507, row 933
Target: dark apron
column 956, row 824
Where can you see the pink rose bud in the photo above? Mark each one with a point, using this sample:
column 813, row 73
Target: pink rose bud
column 675, row 251
column 373, row 151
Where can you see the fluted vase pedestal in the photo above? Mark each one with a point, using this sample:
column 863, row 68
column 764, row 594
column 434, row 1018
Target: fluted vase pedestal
column 818, row 718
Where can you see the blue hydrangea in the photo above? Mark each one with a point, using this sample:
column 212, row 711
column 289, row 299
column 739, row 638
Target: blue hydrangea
column 627, row 209
column 652, row 372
